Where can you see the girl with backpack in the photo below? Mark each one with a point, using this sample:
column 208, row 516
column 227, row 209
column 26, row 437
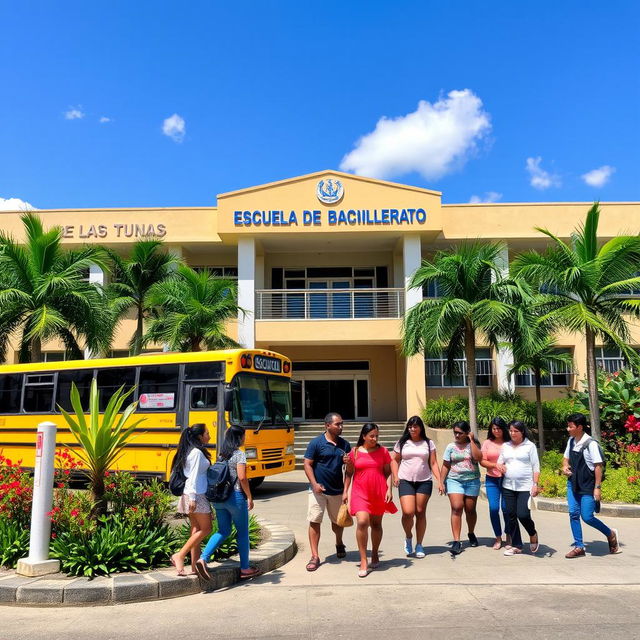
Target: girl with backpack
column 414, row 466
column 235, row 509
column 583, row 464
column 193, row 459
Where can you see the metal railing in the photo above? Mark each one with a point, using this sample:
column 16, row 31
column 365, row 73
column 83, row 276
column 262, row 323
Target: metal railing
column 335, row 304
column 439, row 374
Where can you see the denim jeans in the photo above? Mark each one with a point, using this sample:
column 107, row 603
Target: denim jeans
column 518, row 510
column 493, row 487
column 234, row 510
column 583, row 505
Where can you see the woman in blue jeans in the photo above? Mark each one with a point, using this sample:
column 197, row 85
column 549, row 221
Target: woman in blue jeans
column 491, row 448
column 235, row 509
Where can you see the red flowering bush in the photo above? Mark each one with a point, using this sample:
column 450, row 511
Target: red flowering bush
column 16, row 492
column 66, row 464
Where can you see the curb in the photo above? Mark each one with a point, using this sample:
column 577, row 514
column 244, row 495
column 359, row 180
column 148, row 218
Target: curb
column 559, row 505
column 59, row 590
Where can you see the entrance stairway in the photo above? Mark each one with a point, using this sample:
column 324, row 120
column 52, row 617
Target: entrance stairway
column 390, row 433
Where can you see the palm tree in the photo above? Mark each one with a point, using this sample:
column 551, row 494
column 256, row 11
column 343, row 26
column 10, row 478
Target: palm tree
column 476, row 301
column 133, row 277
column 540, row 357
column 44, row 294
column 583, row 284
column 190, row 310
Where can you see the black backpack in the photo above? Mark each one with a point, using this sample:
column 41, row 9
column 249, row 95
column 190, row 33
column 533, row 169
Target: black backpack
column 219, row 482
column 177, row 480
column 585, row 446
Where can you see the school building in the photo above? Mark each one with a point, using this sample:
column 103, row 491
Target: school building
column 322, row 262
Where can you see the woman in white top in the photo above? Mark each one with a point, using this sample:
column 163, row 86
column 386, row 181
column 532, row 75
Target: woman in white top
column 518, row 462
column 194, row 458
column 414, row 465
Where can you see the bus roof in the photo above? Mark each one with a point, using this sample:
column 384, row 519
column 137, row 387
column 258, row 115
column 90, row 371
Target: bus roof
column 145, row 359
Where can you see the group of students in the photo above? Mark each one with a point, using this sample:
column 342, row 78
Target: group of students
column 364, row 477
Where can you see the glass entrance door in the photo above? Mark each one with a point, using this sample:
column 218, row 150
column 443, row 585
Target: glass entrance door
column 347, row 395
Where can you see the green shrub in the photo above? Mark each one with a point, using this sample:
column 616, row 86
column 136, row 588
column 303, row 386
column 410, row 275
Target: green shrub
column 552, row 460
column 230, row 546
column 441, row 413
column 552, row 483
column 114, row 546
column 14, row 542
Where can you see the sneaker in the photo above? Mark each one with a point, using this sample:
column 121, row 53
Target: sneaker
column 456, row 548
column 512, row 551
column 576, row 552
column 408, row 546
column 420, row 551
column 473, row 541
column 614, row 541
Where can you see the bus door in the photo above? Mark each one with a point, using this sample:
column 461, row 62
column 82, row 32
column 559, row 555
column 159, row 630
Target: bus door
column 201, row 405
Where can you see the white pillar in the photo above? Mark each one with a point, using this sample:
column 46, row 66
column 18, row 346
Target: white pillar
column 38, row 563
column 504, row 356
column 411, row 260
column 96, row 277
column 246, row 292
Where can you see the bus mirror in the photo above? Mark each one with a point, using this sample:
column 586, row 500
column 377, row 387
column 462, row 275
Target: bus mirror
column 228, row 398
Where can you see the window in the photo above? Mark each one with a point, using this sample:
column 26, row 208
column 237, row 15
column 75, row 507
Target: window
column 82, row 379
column 119, row 353
column 111, row 379
column 610, row 359
column 204, row 398
column 230, row 273
column 158, row 387
column 440, row 374
column 432, row 290
column 560, row 376
column 38, row 392
column 10, row 392
column 53, row 356
column 204, row 371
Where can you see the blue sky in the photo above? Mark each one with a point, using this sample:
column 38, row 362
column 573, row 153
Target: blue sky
column 505, row 101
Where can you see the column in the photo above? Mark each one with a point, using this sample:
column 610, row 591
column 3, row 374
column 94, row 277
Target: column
column 504, row 355
column 246, row 292
column 416, row 392
column 96, row 277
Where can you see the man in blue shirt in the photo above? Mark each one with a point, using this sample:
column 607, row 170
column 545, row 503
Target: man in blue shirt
column 323, row 464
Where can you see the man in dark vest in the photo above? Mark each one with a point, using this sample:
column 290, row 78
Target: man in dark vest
column 583, row 465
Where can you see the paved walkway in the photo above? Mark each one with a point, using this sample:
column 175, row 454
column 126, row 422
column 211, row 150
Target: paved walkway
column 479, row 594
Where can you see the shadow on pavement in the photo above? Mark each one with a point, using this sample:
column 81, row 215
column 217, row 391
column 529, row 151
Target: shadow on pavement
column 274, row 490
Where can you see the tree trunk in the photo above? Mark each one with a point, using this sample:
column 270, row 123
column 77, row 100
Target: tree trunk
column 99, row 503
column 137, row 342
column 470, row 354
column 195, row 344
column 536, row 373
column 36, row 350
column 592, row 383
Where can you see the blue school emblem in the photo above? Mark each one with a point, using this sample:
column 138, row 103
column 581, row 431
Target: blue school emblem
column 330, row 191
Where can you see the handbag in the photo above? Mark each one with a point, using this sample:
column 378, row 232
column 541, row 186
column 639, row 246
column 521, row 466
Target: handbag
column 344, row 519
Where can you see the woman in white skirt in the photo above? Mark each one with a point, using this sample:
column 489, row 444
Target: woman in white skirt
column 194, row 458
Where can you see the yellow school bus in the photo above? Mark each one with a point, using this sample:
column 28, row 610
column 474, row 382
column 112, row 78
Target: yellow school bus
column 248, row 387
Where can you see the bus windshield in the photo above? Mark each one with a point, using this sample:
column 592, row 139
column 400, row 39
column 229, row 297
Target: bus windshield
column 261, row 401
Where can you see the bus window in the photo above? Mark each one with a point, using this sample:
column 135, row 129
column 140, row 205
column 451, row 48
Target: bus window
column 251, row 405
column 111, row 379
column 38, row 393
column 10, row 391
column 82, row 379
column 204, row 371
column 158, row 387
column 204, row 398
column 281, row 399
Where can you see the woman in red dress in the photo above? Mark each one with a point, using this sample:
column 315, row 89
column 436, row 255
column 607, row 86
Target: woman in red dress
column 369, row 466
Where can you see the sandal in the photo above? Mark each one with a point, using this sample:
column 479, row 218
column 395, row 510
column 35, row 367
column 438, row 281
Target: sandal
column 533, row 546
column 313, row 564
column 363, row 573
column 341, row 551
column 497, row 544
column 202, row 569
column 249, row 573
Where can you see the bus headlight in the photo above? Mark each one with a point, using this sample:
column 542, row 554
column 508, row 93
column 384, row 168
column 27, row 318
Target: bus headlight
column 252, row 454
column 289, row 451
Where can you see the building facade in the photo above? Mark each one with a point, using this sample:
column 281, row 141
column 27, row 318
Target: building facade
column 322, row 263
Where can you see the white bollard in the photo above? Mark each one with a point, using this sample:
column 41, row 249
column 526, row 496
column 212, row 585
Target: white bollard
column 38, row 562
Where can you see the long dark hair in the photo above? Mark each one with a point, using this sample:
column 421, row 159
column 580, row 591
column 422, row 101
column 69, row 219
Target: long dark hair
column 520, row 426
column 502, row 425
column 232, row 441
column 190, row 438
column 366, row 428
column 406, row 436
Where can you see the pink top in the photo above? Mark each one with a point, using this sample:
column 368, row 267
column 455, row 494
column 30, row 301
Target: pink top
column 490, row 452
column 414, row 464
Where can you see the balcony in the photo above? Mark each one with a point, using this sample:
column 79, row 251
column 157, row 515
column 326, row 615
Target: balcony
column 329, row 304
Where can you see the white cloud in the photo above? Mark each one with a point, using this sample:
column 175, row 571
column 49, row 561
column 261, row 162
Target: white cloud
column 14, row 204
column 538, row 177
column 598, row 177
column 489, row 196
column 74, row 113
column 104, row 119
column 433, row 140
column 174, row 127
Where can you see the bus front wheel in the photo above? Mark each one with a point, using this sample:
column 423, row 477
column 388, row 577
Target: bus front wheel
column 254, row 483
